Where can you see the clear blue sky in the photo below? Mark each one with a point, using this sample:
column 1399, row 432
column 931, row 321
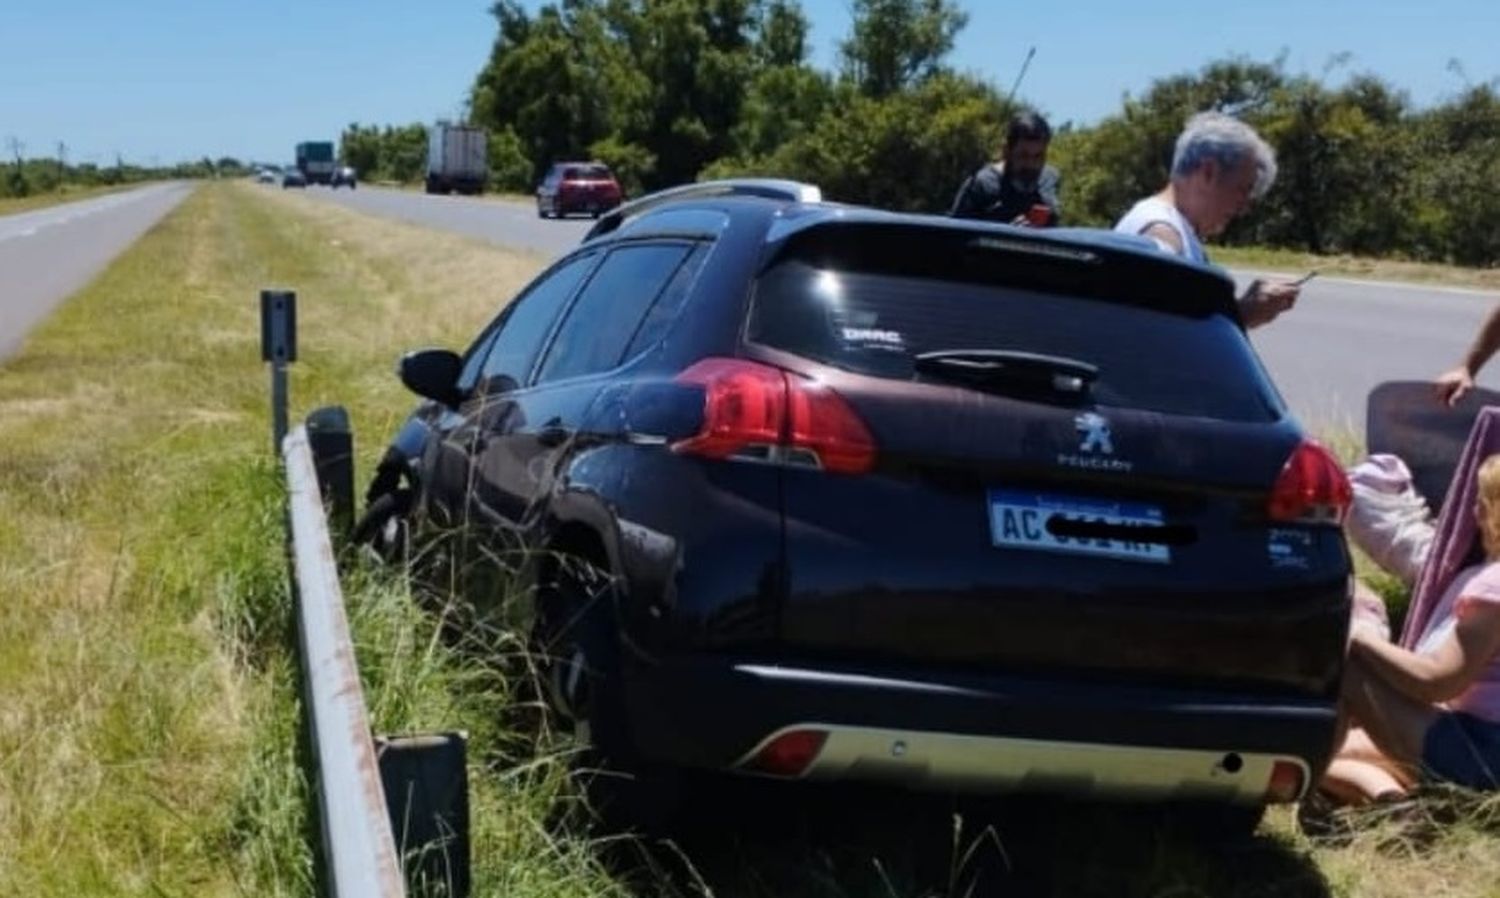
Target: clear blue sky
column 181, row 79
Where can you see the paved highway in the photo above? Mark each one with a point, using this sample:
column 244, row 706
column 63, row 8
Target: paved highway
column 49, row 254
column 1342, row 339
column 496, row 221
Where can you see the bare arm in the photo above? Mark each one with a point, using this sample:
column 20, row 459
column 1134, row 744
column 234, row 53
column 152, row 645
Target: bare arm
column 1452, row 385
column 1445, row 672
column 1166, row 236
column 1485, row 344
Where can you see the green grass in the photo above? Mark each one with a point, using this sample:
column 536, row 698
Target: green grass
column 152, row 740
column 68, row 194
column 1297, row 263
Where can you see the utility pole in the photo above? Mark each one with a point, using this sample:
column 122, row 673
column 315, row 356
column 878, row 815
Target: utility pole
column 62, row 164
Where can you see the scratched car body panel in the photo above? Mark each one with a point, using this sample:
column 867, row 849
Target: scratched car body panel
column 878, row 474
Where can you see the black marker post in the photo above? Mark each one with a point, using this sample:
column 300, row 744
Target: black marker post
column 278, row 346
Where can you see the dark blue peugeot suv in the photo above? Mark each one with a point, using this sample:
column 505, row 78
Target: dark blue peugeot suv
column 813, row 491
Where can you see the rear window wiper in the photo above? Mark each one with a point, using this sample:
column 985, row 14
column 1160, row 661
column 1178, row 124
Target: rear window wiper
column 1008, row 370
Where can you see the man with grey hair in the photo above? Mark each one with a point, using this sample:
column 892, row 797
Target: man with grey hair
column 1219, row 167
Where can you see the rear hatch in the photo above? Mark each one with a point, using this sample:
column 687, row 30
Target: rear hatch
column 1073, row 457
column 589, row 186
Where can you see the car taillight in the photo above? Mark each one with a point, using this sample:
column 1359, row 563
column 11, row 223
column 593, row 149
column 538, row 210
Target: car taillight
column 789, row 753
column 755, row 412
column 1311, row 489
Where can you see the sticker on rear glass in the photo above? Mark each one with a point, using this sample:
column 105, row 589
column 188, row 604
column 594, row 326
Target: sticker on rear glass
column 873, row 338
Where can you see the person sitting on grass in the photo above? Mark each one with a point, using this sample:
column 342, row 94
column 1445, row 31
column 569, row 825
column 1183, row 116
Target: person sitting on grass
column 1431, row 709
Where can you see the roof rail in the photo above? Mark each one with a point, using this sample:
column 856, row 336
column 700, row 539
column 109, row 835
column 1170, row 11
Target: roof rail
column 767, row 188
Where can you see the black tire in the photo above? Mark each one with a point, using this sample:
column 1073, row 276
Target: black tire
column 577, row 640
column 385, row 527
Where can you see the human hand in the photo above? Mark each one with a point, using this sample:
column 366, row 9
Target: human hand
column 1451, row 386
column 1266, row 300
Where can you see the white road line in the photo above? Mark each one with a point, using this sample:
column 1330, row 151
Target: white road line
column 52, row 217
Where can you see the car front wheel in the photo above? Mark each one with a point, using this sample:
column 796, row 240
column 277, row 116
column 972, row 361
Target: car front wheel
column 577, row 646
column 385, row 527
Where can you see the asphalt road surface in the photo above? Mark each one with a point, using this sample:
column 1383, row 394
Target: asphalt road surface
column 1343, row 338
column 49, row 254
column 500, row 222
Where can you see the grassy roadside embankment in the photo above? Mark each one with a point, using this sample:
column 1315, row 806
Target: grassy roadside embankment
column 150, row 738
column 151, row 713
column 1357, row 267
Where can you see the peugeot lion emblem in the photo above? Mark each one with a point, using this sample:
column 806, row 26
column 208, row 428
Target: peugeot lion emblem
column 1095, row 430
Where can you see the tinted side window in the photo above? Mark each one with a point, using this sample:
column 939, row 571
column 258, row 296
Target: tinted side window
column 664, row 311
column 605, row 316
column 469, row 376
column 527, row 323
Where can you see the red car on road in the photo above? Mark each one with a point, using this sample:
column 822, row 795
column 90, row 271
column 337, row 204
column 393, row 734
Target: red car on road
column 574, row 187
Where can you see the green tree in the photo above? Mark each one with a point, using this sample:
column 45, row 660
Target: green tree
column 359, row 146
column 907, row 151
column 510, row 167
column 897, row 43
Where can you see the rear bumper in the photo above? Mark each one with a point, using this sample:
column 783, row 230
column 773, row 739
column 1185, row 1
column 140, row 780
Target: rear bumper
column 571, row 204
column 979, row 733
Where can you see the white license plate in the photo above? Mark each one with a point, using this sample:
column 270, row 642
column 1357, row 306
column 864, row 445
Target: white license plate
column 1018, row 520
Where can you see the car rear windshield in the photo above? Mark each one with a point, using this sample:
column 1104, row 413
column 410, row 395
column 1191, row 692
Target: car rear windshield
column 586, row 173
column 878, row 322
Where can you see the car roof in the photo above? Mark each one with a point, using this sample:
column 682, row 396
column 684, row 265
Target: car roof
column 794, row 207
column 781, row 210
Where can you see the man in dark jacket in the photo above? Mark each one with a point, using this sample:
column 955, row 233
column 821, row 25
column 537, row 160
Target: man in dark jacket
column 1021, row 188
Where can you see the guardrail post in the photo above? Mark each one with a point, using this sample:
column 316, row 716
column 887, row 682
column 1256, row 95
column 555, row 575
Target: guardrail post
column 332, row 443
column 427, row 793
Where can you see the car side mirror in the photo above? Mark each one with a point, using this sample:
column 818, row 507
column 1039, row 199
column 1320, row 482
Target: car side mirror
column 432, row 374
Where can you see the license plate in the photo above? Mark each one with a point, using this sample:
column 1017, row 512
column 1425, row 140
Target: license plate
column 1018, row 520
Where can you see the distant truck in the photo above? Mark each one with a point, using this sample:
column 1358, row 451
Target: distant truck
column 457, row 158
column 315, row 161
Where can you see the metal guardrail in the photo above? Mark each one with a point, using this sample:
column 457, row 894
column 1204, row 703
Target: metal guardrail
column 359, row 847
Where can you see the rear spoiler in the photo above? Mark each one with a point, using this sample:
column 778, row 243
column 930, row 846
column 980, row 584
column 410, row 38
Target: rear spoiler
column 765, row 188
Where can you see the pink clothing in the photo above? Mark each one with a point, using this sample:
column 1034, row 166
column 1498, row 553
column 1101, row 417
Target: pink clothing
column 1473, row 585
column 1456, row 531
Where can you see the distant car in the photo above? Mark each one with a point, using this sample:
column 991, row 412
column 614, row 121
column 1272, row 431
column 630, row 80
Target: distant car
column 572, row 187
column 266, row 176
column 292, row 177
column 344, row 176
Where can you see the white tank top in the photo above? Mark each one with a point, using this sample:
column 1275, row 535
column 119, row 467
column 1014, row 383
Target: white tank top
column 1154, row 210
